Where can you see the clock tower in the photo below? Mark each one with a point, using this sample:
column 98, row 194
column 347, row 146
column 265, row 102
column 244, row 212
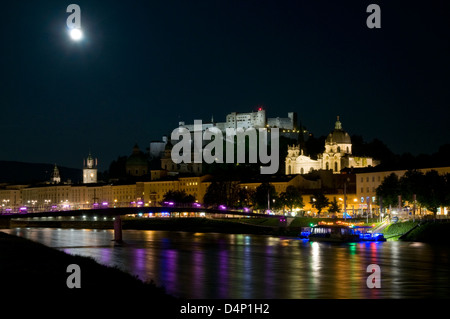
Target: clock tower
column 89, row 170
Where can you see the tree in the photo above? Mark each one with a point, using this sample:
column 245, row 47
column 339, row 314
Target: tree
column 389, row 190
column 411, row 183
column 319, row 201
column 291, row 198
column 334, row 206
column 179, row 198
column 117, row 168
column 245, row 197
column 265, row 195
column 213, row 195
column 447, row 189
column 223, row 193
column 433, row 195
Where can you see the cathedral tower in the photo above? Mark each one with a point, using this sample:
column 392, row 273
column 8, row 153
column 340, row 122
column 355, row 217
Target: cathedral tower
column 56, row 178
column 89, row 170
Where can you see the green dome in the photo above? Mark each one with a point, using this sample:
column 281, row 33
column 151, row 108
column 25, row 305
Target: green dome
column 137, row 158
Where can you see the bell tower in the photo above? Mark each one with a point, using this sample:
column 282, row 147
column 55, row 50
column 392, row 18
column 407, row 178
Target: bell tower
column 89, row 170
column 56, row 178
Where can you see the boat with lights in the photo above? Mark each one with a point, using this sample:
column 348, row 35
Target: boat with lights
column 340, row 232
column 333, row 233
column 365, row 234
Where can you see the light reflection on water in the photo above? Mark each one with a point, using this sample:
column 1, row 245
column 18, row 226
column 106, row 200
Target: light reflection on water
column 212, row 265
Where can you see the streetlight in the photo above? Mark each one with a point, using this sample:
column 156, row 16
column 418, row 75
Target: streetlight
column 345, row 197
column 32, row 204
column 47, row 203
column 368, row 209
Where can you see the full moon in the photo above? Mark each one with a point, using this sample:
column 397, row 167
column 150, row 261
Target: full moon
column 76, row 34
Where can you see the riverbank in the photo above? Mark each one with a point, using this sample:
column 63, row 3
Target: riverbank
column 35, row 270
column 430, row 232
column 435, row 232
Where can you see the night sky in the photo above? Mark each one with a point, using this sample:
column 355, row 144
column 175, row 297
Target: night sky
column 143, row 66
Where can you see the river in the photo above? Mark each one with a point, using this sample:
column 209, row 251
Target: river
column 213, row 265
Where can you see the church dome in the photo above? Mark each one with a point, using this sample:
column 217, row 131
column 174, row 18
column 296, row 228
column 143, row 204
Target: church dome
column 338, row 136
column 137, row 157
column 137, row 163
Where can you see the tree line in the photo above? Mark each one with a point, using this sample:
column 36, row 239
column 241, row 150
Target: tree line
column 232, row 195
column 429, row 189
column 264, row 197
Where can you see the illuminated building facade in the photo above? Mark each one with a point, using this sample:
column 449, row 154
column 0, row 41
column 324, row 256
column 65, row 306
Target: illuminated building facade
column 247, row 120
column 337, row 155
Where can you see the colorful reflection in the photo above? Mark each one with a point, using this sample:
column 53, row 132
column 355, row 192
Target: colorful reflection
column 203, row 265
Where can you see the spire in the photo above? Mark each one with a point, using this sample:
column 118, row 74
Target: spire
column 56, row 178
column 136, row 149
column 89, row 162
column 338, row 125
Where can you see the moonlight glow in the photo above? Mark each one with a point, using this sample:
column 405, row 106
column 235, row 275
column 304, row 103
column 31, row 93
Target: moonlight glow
column 76, row 34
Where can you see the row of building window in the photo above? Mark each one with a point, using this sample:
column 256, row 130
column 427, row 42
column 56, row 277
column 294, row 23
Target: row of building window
column 368, row 189
column 373, row 179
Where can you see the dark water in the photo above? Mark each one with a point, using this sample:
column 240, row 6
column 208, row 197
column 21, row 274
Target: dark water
column 212, row 265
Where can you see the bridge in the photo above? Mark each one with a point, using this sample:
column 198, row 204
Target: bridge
column 117, row 212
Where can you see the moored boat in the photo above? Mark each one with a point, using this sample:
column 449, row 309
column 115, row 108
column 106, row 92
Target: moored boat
column 365, row 234
column 333, row 233
column 340, row 233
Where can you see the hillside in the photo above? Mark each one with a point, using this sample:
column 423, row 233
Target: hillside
column 21, row 172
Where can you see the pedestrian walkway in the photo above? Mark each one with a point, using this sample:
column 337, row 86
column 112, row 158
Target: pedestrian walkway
column 382, row 226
